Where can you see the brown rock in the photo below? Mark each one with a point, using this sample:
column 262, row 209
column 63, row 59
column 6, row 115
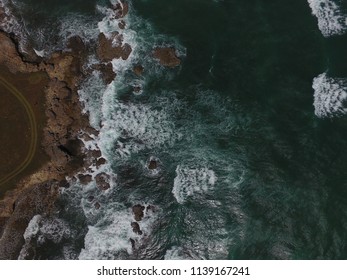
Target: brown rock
column 101, row 181
column 64, row 184
column 138, row 212
column 96, row 153
column 121, row 24
column 121, row 9
column 152, row 164
column 108, row 75
column 101, row 161
column 106, row 51
column 166, row 56
column 76, row 45
column 138, row 70
column 136, row 228
column 85, row 179
column 11, row 58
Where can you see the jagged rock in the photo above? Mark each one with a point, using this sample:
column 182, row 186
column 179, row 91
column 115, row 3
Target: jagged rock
column 76, row 45
column 85, row 179
column 101, row 161
column 101, row 181
column 138, row 70
column 96, row 153
column 10, row 57
column 121, row 24
column 166, row 56
column 132, row 241
column 106, row 51
column 121, row 9
column 136, row 228
column 106, row 70
column 64, row 184
column 138, row 212
column 152, row 164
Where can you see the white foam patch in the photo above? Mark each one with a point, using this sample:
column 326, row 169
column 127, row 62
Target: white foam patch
column 331, row 21
column 10, row 24
column 78, row 25
column 129, row 127
column 91, row 94
column 53, row 229
column 40, row 230
column 330, row 96
column 175, row 253
column 40, row 53
column 111, row 235
column 192, row 180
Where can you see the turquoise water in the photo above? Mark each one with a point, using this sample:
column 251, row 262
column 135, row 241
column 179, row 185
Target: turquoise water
column 247, row 167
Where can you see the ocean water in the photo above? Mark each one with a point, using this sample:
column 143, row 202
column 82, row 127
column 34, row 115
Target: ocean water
column 249, row 132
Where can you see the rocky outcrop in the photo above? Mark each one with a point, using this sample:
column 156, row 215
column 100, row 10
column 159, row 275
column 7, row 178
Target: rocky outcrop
column 121, row 9
column 138, row 211
column 106, row 70
column 102, row 181
column 64, row 122
column 166, row 56
column 112, row 48
column 136, row 228
column 10, row 57
column 152, row 164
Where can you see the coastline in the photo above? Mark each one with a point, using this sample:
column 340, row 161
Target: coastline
column 64, row 128
column 60, row 125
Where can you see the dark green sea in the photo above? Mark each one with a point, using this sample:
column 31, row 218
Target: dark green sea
column 249, row 133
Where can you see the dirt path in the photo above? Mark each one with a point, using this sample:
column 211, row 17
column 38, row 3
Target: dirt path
column 32, row 127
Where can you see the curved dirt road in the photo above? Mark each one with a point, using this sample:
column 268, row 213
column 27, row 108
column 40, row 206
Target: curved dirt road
column 32, row 128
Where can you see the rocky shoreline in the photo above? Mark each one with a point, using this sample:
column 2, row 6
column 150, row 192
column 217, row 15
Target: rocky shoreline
column 36, row 193
column 65, row 127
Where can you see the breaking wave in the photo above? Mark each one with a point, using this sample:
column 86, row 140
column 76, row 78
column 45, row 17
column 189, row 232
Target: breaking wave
column 330, row 96
column 331, row 20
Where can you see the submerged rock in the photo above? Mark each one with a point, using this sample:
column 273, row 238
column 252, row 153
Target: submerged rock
column 102, row 181
column 138, row 70
column 166, row 56
column 97, row 205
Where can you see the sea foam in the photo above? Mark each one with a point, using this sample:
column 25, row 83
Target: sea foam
column 192, row 180
column 331, row 20
column 330, row 96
